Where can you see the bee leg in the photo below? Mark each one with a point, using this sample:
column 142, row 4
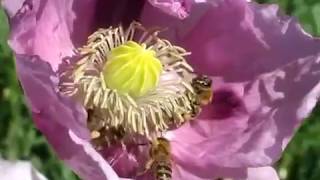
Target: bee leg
column 146, row 168
column 205, row 101
column 95, row 134
column 97, row 139
column 187, row 116
column 196, row 111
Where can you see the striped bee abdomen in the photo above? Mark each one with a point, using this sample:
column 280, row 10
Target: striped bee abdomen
column 163, row 171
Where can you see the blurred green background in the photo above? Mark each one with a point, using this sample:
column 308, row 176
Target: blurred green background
column 20, row 140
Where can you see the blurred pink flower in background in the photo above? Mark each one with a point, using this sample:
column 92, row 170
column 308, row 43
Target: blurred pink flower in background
column 265, row 71
column 14, row 170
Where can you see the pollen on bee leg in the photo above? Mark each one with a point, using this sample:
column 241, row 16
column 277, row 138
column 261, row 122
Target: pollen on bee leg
column 131, row 79
column 187, row 116
column 95, row 134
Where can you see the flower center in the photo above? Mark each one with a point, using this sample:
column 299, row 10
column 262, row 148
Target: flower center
column 132, row 69
column 131, row 82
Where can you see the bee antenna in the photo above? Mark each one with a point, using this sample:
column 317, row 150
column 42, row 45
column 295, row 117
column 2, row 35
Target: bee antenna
column 143, row 144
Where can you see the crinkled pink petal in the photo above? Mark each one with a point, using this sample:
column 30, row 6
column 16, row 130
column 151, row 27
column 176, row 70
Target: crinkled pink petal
column 45, row 28
column 38, row 82
column 182, row 173
column 176, row 8
column 259, row 173
column 60, row 120
column 227, row 36
column 265, row 70
column 258, row 118
column 262, row 173
column 122, row 159
column 114, row 12
column 12, row 6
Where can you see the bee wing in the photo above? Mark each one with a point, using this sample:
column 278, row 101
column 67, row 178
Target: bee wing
column 179, row 173
column 176, row 170
column 118, row 155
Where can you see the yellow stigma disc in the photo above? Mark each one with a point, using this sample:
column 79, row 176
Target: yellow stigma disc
column 132, row 68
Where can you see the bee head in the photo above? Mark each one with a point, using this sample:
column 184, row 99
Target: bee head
column 202, row 81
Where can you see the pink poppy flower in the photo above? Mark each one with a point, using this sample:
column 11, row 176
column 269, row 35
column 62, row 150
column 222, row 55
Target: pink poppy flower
column 264, row 68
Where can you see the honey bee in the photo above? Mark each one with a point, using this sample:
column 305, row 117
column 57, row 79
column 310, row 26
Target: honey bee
column 105, row 136
column 203, row 95
column 202, row 87
column 160, row 159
